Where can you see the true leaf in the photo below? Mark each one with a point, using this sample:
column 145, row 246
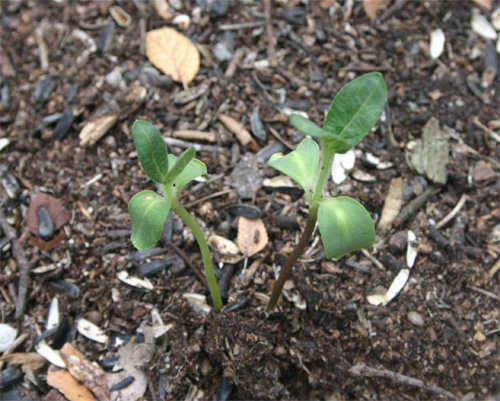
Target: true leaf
column 151, row 150
column 345, row 226
column 301, row 165
column 148, row 212
column 182, row 161
column 194, row 169
column 308, row 127
column 356, row 109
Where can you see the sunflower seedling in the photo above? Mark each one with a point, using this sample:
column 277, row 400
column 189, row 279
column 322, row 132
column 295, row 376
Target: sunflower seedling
column 344, row 224
column 149, row 210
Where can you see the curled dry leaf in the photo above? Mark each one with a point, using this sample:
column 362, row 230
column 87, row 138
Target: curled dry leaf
column 371, row 6
column 173, row 53
column 252, row 236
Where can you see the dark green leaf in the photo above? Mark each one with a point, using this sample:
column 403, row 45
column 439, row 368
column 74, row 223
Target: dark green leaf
column 356, row 109
column 148, row 212
column 151, row 150
column 301, row 165
column 194, row 169
column 345, row 226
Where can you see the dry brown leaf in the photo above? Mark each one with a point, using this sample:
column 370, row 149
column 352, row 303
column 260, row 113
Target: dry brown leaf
column 252, row 236
column 486, row 4
column 237, row 129
column 62, row 380
column 371, row 6
column 173, row 53
column 55, row 208
column 85, row 371
column 392, row 204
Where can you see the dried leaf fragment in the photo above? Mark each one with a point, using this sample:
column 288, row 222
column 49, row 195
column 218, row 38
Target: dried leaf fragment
column 67, row 384
column 252, row 236
column 371, row 6
column 173, row 54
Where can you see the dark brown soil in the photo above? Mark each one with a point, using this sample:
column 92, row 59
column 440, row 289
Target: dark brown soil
column 243, row 353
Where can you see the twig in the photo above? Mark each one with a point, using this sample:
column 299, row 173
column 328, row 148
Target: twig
column 22, row 264
column 453, row 213
column 186, row 260
column 198, row 147
column 484, row 292
column 414, row 205
column 211, row 196
column 236, row 27
column 271, row 51
column 42, row 47
column 361, row 370
column 373, row 259
column 479, row 124
column 494, row 268
column 280, row 138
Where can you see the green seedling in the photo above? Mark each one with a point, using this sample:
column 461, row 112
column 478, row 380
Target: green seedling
column 344, row 224
column 149, row 210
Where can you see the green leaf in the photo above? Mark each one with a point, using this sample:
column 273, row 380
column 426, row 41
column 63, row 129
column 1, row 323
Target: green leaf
column 194, row 169
column 148, row 212
column 180, row 163
column 151, row 150
column 301, row 165
column 345, row 226
column 356, row 109
column 308, row 127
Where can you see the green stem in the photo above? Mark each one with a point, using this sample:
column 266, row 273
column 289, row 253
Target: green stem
column 287, row 268
column 324, row 170
column 205, row 252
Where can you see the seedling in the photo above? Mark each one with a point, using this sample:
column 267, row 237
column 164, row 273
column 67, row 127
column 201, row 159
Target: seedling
column 344, row 224
column 149, row 210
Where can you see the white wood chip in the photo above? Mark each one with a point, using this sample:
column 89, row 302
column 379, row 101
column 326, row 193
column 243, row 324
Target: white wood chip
column 53, row 318
column 482, row 26
column 4, row 142
column 136, row 282
column 198, row 302
column 50, row 354
column 437, row 43
column 411, row 251
column 91, row 331
column 396, row 286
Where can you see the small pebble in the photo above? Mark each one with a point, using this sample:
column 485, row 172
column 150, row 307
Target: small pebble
column 222, row 53
column 415, row 318
column 95, row 317
column 398, row 242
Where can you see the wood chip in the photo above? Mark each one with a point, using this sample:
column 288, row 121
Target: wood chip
column 89, row 373
column 193, row 135
column 63, row 381
column 252, row 236
column 173, row 53
column 392, row 205
column 95, row 130
column 237, row 129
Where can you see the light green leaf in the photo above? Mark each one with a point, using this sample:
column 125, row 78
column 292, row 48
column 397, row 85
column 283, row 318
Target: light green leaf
column 345, row 226
column 151, row 150
column 301, row 165
column 194, row 169
column 308, row 127
column 356, row 109
column 181, row 162
column 148, row 212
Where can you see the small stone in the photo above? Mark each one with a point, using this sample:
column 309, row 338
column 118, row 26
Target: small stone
column 95, row 317
column 426, row 249
column 222, row 53
column 482, row 171
column 416, row 318
column 398, row 242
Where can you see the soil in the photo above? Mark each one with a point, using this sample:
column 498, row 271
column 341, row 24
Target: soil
column 244, row 353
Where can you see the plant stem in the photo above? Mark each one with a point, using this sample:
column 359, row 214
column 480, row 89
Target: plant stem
column 324, row 170
column 287, row 268
column 205, row 252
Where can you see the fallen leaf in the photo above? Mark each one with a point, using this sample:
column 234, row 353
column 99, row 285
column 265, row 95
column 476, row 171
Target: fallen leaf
column 63, row 381
column 173, row 53
column 371, row 6
column 87, row 372
column 55, row 208
column 392, row 205
column 252, row 236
